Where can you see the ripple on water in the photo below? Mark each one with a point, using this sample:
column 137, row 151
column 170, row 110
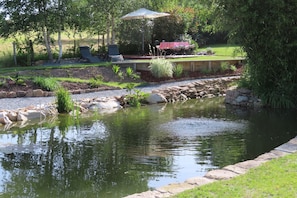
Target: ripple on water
column 202, row 126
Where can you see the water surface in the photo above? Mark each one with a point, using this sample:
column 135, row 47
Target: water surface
column 134, row 150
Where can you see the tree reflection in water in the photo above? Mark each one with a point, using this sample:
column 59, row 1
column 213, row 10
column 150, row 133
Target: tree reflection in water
column 113, row 155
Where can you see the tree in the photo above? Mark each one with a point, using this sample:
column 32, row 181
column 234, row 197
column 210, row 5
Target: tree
column 267, row 32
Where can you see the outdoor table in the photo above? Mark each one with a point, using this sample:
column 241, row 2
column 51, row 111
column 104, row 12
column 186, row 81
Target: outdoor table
column 176, row 47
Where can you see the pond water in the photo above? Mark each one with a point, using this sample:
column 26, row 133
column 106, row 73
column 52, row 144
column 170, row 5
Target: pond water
column 134, row 150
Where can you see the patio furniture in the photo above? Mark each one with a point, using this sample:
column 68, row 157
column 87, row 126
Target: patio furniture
column 114, row 53
column 179, row 47
column 86, row 54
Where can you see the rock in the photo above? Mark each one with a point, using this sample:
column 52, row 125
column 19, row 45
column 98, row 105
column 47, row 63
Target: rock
column 4, row 119
column 22, row 117
column 156, row 98
column 11, row 94
column 111, row 104
column 38, row 93
column 3, row 94
column 13, row 116
column 32, row 115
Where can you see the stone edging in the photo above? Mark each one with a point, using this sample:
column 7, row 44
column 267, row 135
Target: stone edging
column 225, row 173
column 208, row 88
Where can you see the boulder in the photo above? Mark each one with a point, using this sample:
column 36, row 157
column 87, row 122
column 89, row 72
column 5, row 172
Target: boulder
column 156, row 98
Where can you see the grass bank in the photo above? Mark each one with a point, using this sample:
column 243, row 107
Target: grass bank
column 276, row 178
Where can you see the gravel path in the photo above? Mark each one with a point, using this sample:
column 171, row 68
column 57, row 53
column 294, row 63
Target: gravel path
column 16, row 103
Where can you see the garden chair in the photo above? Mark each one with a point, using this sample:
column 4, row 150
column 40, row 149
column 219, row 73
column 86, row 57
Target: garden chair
column 86, row 54
column 114, row 53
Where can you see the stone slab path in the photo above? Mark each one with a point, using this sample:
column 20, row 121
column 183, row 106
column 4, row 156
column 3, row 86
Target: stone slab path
column 225, row 173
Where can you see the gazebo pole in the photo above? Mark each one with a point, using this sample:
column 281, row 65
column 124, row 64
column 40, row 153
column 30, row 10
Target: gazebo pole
column 142, row 47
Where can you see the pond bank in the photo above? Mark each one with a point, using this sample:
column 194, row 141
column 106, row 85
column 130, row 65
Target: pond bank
column 171, row 92
column 227, row 172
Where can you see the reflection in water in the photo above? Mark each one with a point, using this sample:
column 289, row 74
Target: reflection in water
column 133, row 150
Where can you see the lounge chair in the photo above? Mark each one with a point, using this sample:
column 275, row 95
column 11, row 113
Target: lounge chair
column 86, row 54
column 114, row 54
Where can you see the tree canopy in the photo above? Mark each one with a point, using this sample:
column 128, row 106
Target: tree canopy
column 267, row 32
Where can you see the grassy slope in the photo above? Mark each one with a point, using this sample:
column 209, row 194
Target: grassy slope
column 276, row 178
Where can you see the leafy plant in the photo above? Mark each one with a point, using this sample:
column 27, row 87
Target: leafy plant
column 64, row 101
column 233, row 68
column 224, row 66
column 49, row 84
column 95, row 82
column 135, row 99
column 161, row 67
column 178, row 70
column 116, row 69
column 130, row 73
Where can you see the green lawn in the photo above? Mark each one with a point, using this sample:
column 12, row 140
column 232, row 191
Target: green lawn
column 276, row 178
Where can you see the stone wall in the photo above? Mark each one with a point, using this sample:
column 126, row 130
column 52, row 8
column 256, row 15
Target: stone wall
column 200, row 89
column 196, row 90
column 242, row 97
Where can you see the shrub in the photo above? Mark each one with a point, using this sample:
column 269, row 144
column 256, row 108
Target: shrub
column 116, row 69
column 95, row 82
column 135, row 99
column 161, row 67
column 64, row 101
column 224, row 66
column 49, row 84
column 130, row 73
column 233, row 68
column 178, row 70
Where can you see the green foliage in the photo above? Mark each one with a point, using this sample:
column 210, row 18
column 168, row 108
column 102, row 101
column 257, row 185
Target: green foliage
column 49, row 84
column 95, row 82
column 64, row 101
column 178, row 70
column 161, row 67
column 135, row 96
column 233, row 68
column 224, row 66
column 266, row 31
column 116, row 69
column 130, row 73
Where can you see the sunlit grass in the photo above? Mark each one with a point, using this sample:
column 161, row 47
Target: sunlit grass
column 276, row 178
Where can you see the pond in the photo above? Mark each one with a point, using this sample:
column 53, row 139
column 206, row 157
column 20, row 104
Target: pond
column 134, row 149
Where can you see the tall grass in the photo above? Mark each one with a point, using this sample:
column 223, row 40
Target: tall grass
column 64, row 101
column 161, row 67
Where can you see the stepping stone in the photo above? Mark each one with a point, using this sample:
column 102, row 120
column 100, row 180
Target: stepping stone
column 288, row 147
column 235, row 169
column 199, row 181
column 267, row 156
column 220, row 174
column 149, row 194
column 176, row 188
column 249, row 164
column 279, row 153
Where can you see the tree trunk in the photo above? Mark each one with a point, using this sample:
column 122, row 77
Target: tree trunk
column 47, row 44
column 60, row 45
column 112, row 30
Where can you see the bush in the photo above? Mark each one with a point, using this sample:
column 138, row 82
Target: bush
column 135, row 99
column 49, row 84
column 95, row 82
column 64, row 101
column 161, row 67
column 178, row 70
